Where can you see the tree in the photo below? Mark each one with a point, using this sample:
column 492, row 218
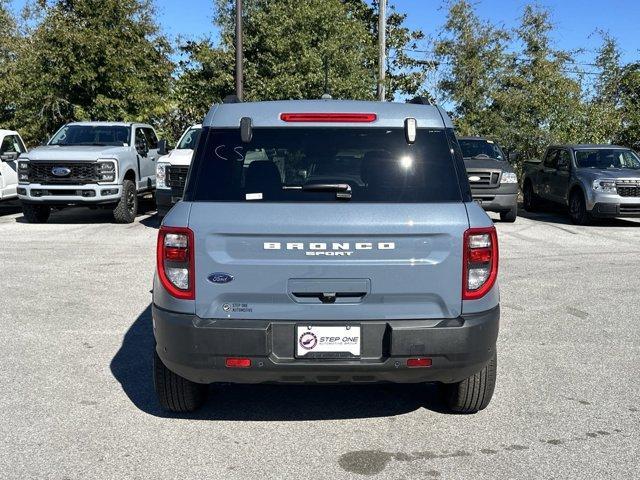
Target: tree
column 300, row 50
column 629, row 133
column 9, row 40
column 92, row 59
column 472, row 52
column 603, row 110
column 539, row 103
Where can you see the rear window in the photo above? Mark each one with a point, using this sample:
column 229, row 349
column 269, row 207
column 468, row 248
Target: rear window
column 316, row 164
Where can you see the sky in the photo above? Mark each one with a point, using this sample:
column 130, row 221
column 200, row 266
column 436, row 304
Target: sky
column 576, row 20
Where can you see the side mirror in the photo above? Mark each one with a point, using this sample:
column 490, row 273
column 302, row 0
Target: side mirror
column 9, row 156
column 162, row 147
column 513, row 157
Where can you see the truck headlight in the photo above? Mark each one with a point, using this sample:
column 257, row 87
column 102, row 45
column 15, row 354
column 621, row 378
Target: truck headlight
column 605, row 186
column 509, row 177
column 107, row 171
column 161, row 175
column 23, row 171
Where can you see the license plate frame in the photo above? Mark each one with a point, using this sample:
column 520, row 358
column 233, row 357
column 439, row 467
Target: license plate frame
column 328, row 341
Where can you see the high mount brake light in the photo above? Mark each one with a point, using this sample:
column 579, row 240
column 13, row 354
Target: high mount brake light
column 479, row 262
column 329, row 117
column 175, row 262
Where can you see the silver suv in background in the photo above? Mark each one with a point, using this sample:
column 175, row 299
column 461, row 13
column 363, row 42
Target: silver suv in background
column 172, row 170
column 91, row 164
column 326, row 242
column 493, row 181
column 593, row 181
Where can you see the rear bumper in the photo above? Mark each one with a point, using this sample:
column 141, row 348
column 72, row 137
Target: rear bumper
column 196, row 349
column 496, row 202
column 612, row 210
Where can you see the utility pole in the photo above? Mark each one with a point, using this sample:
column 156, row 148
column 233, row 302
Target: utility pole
column 382, row 45
column 239, row 55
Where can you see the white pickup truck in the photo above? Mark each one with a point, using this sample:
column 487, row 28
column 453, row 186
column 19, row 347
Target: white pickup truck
column 11, row 147
column 92, row 164
column 172, row 170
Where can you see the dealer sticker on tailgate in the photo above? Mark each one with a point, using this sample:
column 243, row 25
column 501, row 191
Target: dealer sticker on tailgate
column 318, row 340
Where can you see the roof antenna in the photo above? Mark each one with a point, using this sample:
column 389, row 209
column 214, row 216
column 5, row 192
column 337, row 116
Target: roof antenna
column 326, row 95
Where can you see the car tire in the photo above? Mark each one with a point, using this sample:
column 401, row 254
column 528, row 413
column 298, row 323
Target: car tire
column 578, row 209
column 531, row 201
column 176, row 394
column 509, row 216
column 127, row 208
column 36, row 213
column 474, row 393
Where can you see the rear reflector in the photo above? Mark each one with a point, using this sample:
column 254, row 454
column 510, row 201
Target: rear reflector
column 237, row 362
column 419, row 362
column 329, row 117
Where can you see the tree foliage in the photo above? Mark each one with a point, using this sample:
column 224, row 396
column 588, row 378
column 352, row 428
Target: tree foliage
column 109, row 60
column 89, row 60
column 9, row 40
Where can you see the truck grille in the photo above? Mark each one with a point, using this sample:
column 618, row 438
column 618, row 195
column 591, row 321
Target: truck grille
column 176, row 179
column 628, row 188
column 80, row 173
column 484, row 178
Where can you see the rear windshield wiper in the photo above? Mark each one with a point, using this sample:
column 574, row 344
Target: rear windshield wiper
column 343, row 190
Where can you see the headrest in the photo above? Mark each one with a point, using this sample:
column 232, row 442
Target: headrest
column 262, row 175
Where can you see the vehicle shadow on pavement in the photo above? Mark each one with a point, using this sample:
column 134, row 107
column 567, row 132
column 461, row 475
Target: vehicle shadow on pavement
column 558, row 215
column 132, row 368
column 10, row 207
column 87, row 216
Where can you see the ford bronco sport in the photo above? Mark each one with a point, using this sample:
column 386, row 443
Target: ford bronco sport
column 381, row 269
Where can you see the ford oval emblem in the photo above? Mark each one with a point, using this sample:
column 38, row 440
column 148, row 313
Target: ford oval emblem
column 61, row 171
column 220, row 278
column 474, row 179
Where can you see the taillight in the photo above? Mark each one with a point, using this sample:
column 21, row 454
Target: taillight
column 329, row 117
column 480, row 262
column 175, row 258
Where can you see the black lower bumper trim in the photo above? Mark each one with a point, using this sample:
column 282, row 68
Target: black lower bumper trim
column 196, row 349
column 612, row 210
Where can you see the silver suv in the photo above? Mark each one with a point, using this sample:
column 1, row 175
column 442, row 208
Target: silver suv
column 326, row 242
column 593, row 181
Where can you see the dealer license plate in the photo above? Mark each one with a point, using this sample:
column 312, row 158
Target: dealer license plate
column 328, row 341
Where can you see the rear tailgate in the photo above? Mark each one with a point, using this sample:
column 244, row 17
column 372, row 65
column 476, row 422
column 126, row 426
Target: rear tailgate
column 328, row 261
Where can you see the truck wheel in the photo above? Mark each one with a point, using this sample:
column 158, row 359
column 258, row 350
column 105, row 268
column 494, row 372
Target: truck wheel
column 127, row 208
column 578, row 209
column 510, row 216
column 474, row 393
column 531, row 201
column 175, row 393
column 36, row 213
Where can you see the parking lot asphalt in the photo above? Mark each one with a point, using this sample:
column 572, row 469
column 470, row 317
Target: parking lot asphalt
column 77, row 398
